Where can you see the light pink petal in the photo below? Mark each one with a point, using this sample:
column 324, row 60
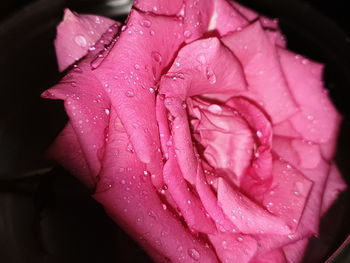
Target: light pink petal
column 189, row 205
column 335, row 185
column 234, row 247
column 310, row 219
column 197, row 15
column 210, row 204
column 274, row 256
column 249, row 217
column 131, row 86
column 67, row 152
column 309, row 153
column 198, row 69
column 318, row 119
column 261, row 127
column 159, row 7
column 285, row 128
column 226, row 18
column 288, row 193
column 226, row 137
column 295, row 251
column 300, row 153
column 266, row 82
column 129, row 198
column 76, row 34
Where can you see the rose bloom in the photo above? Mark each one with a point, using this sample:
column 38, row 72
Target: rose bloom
column 200, row 133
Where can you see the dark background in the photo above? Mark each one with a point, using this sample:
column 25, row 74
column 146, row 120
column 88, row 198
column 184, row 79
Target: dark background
column 45, row 214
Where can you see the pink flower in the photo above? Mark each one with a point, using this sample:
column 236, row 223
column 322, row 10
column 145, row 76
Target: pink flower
column 202, row 135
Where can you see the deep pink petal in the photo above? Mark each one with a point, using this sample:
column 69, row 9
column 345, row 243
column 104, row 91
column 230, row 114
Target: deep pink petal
column 210, row 204
column 181, row 138
column 266, row 82
column 335, row 185
column 197, row 15
column 318, row 119
column 249, row 217
column 159, row 7
column 261, row 126
column 130, row 199
column 198, row 69
column 234, row 247
column 226, row 18
column 274, row 256
column 76, row 34
column 248, row 13
column 131, row 86
column 189, row 205
column 288, row 194
column 66, row 150
column 295, row 251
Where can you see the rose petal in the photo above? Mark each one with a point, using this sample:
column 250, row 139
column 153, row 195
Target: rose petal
column 266, row 83
column 76, row 34
column 182, row 140
column 197, row 15
column 249, row 217
column 129, row 84
column 226, row 137
column 295, row 251
column 129, row 198
column 335, row 185
column 210, row 204
column 248, row 13
column 318, row 119
column 66, row 150
column 288, row 194
column 226, row 18
column 234, row 247
column 274, row 256
column 198, row 70
column 159, row 7
column 189, row 205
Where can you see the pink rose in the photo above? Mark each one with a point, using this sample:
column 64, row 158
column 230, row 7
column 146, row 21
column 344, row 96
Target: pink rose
column 203, row 136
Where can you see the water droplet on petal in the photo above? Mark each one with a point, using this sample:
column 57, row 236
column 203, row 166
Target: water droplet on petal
column 211, row 76
column 107, row 111
column 80, row 40
column 156, row 56
column 240, row 239
column 137, row 66
column 145, row 23
column 214, row 108
column 129, row 93
column 187, row 34
column 194, row 254
column 259, row 134
column 201, row 58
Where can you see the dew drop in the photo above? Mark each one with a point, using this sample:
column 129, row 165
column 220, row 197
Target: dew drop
column 211, row 76
column 187, row 34
column 130, row 148
column 145, row 23
column 310, row 117
column 123, row 182
column 129, row 93
column 201, row 58
column 156, row 56
column 224, row 244
column 137, row 66
column 107, row 111
column 80, row 40
column 259, row 134
column 240, row 239
column 151, row 32
column 214, row 108
column 194, row 254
